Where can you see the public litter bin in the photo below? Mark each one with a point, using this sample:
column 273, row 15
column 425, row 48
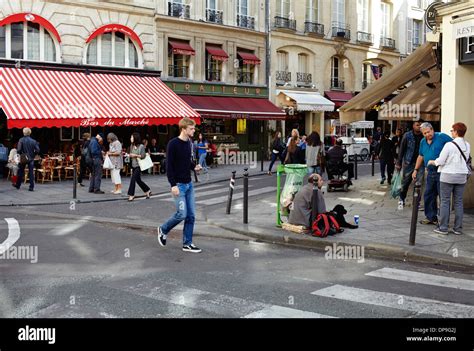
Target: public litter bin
column 295, row 174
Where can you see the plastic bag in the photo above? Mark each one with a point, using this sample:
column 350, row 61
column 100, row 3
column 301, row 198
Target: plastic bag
column 108, row 163
column 396, row 185
column 294, row 182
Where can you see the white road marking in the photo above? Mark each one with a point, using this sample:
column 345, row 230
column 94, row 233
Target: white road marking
column 13, row 235
column 284, row 312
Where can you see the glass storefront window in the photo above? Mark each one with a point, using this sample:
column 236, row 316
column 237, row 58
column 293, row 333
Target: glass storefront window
column 17, row 41
column 3, row 42
column 33, row 41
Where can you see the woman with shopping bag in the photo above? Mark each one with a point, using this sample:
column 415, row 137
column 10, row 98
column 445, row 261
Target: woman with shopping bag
column 137, row 154
column 114, row 162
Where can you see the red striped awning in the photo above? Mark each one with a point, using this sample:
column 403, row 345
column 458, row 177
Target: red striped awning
column 217, row 53
column 52, row 98
column 181, row 48
column 249, row 59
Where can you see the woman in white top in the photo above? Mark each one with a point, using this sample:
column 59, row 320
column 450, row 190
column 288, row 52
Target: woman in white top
column 452, row 163
column 13, row 162
column 115, row 154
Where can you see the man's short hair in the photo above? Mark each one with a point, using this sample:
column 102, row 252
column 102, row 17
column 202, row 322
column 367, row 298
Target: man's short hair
column 313, row 177
column 426, row 125
column 26, row 131
column 185, row 123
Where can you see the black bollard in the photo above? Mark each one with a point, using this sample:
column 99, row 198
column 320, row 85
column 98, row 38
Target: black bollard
column 231, row 192
column 414, row 214
column 373, row 164
column 314, row 201
column 74, row 187
column 246, row 196
column 356, row 163
column 261, row 164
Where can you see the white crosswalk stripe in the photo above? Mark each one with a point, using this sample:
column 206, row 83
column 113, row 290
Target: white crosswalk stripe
column 284, row 312
column 423, row 278
column 396, row 301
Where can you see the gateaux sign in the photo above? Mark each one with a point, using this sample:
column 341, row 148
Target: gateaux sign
column 115, row 122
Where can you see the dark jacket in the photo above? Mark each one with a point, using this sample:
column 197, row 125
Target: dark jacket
column 409, row 148
column 96, row 150
column 29, row 146
column 386, row 150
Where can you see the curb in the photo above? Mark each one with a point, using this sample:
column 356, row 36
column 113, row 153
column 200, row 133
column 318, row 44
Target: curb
column 371, row 250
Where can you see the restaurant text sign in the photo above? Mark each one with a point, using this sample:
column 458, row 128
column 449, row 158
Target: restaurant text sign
column 115, row 122
column 466, row 51
column 463, row 29
column 218, row 90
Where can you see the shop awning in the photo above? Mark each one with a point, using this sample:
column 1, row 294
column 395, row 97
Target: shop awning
column 217, row 53
column 234, row 108
column 309, row 101
column 53, row 98
column 181, row 48
column 424, row 58
column 338, row 97
column 248, row 58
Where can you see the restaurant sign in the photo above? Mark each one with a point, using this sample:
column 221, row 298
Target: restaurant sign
column 466, row 51
column 182, row 88
column 114, row 122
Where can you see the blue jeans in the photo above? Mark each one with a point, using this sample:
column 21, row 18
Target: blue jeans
column 407, row 178
column 315, row 169
column 96, row 176
column 445, row 208
column 31, row 174
column 185, row 209
column 202, row 161
column 432, row 192
column 274, row 158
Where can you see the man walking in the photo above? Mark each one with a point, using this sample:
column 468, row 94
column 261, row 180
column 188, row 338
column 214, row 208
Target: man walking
column 407, row 156
column 430, row 149
column 180, row 163
column 97, row 161
column 28, row 148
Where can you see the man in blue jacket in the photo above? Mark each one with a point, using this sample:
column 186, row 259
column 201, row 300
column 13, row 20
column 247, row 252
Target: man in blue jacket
column 97, row 162
column 27, row 148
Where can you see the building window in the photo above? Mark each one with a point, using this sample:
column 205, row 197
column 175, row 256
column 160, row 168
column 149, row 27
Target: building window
column 27, row 40
column 303, row 77
column 283, row 8
column 339, row 13
column 282, row 74
column 213, row 68
column 409, row 36
column 212, row 13
column 337, row 81
column 417, row 33
column 179, row 59
column 243, row 18
column 112, row 49
column 178, row 8
column 246, row 70
column 366, row 75
column 363, row 15
column 386, row 16
column 312, row 11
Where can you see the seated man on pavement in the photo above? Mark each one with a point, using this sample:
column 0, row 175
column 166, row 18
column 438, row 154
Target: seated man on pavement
column 300, row 214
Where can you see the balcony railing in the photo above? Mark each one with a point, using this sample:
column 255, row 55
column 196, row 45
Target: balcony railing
column 341, row 31
column 214, row 16
column 179, row 10
column 304, row 78
column 365, row 38
column 246, row 22
column 213, row 75
column 387, row 43
column 337, row 84
column 314, row 28
column 285, row 23
column 283, row 76
column 244, row 77
column 178, row 71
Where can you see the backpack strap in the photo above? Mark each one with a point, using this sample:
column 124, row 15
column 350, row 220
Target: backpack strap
column 462, row 153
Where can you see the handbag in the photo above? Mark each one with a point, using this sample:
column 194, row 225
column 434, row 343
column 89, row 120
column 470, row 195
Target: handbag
column 145, row 163
column 24, row 159
column 468, row 161
column 108, row 163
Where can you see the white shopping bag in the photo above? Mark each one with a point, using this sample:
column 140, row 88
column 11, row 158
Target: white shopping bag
column 108, row 163
column 146, row 163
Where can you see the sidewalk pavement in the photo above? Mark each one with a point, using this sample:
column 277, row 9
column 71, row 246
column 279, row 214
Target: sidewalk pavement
column 55, row 193
column 384, row 230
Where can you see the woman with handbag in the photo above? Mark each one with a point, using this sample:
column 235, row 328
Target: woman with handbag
column 137, row 152
column 278, row 149
column 315, row 154
column 116, row 159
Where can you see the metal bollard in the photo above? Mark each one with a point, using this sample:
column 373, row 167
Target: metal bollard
column 246, row 196
column 231, row 192
column 314, row 202
column 414, row 214
column 261, row 164
column 373, row 164
column 74, row 187
column 355, row 166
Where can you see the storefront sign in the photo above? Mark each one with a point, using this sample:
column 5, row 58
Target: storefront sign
column 430, row 14
column 217, row 90
column 466, row 51
column 463, row 29
column 115, row 122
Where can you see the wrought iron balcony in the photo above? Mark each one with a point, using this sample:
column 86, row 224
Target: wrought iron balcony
column 341, row 31
column 314, row 28
column 179, row 10
column 213, row 75
column 365, row 38
column 285, row 23
column 337, row 84
column 214, row 16
column 178, row 71
column 283, row 76
column 244, row 77
column 304, row 78
column 387, row 43
column 246, row 22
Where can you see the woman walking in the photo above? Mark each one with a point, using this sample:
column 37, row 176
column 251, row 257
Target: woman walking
column 452, row 163
column 293, row 155
column 202, row 147
column 278, row 150
column 137, row 151
column 115, row 155
column 315, row 154
column 386, row 154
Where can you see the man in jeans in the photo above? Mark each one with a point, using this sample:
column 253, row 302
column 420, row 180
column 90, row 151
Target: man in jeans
column 97, row 162
column 430, row 149
column 409, row 148
column 28, row 147
column 180, row 162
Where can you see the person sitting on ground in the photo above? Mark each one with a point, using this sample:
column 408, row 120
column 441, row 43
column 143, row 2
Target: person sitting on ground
column 335, row 157
column 302, row 204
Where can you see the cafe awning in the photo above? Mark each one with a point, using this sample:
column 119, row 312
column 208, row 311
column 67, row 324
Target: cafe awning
column 56, row 98
column 338, row 97
column 308, row 101
column 424, row 58
column 181, row 48
column 217, row 53
column 248, row 58
column 234, row 108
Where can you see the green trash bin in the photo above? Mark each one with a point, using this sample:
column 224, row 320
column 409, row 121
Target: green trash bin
column 295, row 175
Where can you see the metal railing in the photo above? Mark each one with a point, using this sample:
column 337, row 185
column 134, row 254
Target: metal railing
column 305, row 78
column 337, row 84
column 244, row 77
column 178, row 71
column 366, row 38
column 213, row 75
column 387, row 43
column 214, row 16
column 285, row 23
column 283, row 76
column 314, row 28
column 246, row 21
column 179, row 10
column 341, row 31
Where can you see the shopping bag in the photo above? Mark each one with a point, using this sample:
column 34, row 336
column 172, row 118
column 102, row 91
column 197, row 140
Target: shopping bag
column 146, row 163
column 3, row 153
column 396, row 185
column 108, row 163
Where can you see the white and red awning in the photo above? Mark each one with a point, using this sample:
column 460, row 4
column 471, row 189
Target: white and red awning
column 52, row 98
column 248, row 58
column 181, row 48
column 217, row 53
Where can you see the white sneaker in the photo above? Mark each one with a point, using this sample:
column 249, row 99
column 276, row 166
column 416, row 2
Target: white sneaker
column 401, row 205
